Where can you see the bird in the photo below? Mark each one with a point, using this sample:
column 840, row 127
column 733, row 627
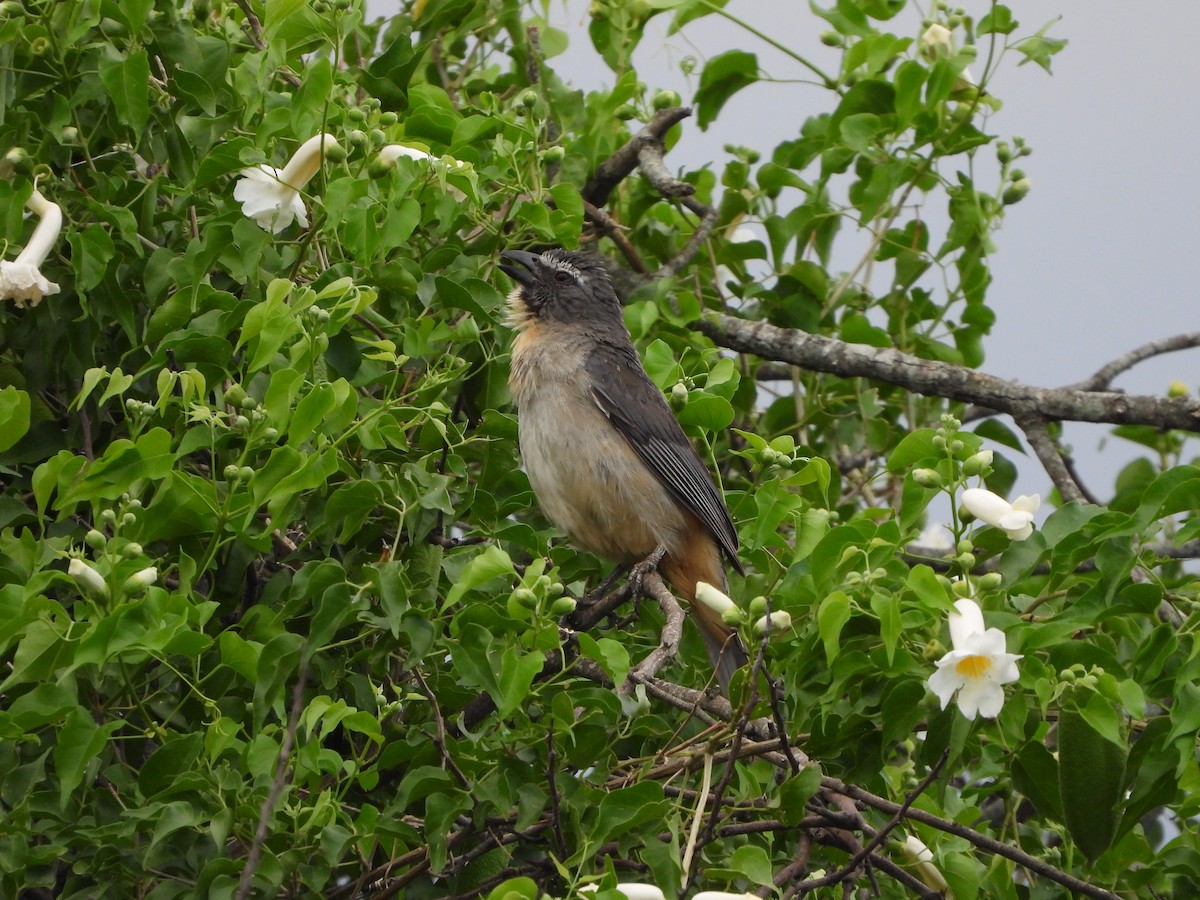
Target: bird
column 607, row 460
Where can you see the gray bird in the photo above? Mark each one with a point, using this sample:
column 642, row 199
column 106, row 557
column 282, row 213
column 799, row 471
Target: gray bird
column 605, row 455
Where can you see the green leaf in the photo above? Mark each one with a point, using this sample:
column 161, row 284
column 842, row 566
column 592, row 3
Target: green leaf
column 79, row 741
column 915, row 450
column 491, row 563
column 127, row 80
column 91, row 254
column 1035, row 774
column 1091, row 778
column 832, row 615
column 887, row 607
column 998, row 20
column 14, row 416
column 724, row 75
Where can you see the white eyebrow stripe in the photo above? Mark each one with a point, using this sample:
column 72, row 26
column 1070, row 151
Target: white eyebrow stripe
column 557, row 263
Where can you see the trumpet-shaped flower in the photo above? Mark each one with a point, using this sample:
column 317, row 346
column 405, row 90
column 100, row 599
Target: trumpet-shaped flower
column 22, row 280
column 632, row 890
column 1015, row 518
column 977, row 667
column 271, row 197
column 921, row 858
column 87, row 578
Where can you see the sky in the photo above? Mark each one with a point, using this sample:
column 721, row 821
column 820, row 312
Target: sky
column 1101, row 256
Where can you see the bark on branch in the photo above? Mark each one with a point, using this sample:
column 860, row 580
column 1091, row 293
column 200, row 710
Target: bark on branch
column 940, row 379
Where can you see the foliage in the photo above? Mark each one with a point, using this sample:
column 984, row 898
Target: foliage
column 306, row 438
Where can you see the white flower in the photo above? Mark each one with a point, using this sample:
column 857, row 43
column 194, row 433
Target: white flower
column 22, row 280
column 271, row 197
column 1016, row 518
column 977, row 667
column 714, row 599
column 389, row 154
column 936, row 41
column 632, row 891
column 922, row 863
column 87, row 578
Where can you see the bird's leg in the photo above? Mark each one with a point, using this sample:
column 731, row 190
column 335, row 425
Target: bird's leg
column 644, row 568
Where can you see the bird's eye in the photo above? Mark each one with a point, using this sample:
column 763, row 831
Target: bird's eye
column 563, row 277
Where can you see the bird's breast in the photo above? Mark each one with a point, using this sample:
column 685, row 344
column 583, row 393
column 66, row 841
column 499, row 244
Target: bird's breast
column 587, row 478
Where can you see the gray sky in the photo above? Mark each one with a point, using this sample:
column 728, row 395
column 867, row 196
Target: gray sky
column 1104, row 253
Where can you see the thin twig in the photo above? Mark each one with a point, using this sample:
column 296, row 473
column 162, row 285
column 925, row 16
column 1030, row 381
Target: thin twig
column 1104, row 376
column 254, row 856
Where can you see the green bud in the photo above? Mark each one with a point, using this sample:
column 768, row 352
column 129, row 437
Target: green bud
column 666, row 99
column 108, row 516
column 563, row 606
column 758, row 607
column 248, row 403
column 377, row 168
column 1016, row 192
column 552, row 155
column 965, row 546
column 939, row 442
column 831, row 39
column 978, row 462
column 132, row 550
column 241, row 422
column 956, row 446
column 39, row 45
column 388, row 119
column 990, row 582
column 529, row 99
column 372, row 103
column 335, row 153
column 378, row 138
column 679, row 396
column 960, row 589
column 1016, row 174
column 1004, row 152
column 966, row 560
column 1178, row 389
column 525, row 598
column 235, row 395
column 95, row 539
column 354, row 114
column 928, row 478
column 231, row 472
column 245, row 474
column 933, row 651
column 625, row 113
column 69, row 135
column 270, row 433
column 733, row 617
column 138, row 582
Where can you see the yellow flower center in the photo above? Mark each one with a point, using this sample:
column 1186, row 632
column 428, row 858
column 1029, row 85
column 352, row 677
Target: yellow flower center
column 973, row 666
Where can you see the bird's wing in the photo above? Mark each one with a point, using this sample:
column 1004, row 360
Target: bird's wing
column 635, row 405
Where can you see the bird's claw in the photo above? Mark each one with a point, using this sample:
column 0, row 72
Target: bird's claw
column 639, row 572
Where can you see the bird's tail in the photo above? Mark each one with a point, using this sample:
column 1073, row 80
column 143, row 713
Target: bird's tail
column 724, row 645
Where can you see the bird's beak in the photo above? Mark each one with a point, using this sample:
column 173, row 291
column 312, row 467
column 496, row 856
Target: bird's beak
column 527, row 264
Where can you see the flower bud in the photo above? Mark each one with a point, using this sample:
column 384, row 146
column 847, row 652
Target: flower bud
column 387, row 119
column 1004, row 152
column 775, row 622
column 714, row 599
column 132, row 550
column 966, row 560
column 245, row 473
column 679, row 395
column 733, row 617
column 928, row 478
column 1178, row 389
column 976, row 463
column 95, row 539
column 960, row 589
column 529, row 99
column 1016, row 191
column 758, row 607
column 335, row 152
column 831, row 39
column 231, row 472
column 965, row 546
column 525, row 597
column 990, row 582
column 563, row 606
column 88, row 579
column 625, row 113
column 939, row 442
column 552, row 155
column 665, row 99
column 354, row 114
column 139, row 581
column 108, row 516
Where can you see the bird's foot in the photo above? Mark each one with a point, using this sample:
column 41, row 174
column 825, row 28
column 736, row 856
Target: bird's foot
column 639, row 572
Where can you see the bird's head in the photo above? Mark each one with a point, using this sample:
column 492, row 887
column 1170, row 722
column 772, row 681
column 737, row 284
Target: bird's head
column 559, row 286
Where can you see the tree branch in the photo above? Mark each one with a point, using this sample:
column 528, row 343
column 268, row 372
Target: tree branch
column 1104, row 376
column 945, row 380
column 617, row 167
